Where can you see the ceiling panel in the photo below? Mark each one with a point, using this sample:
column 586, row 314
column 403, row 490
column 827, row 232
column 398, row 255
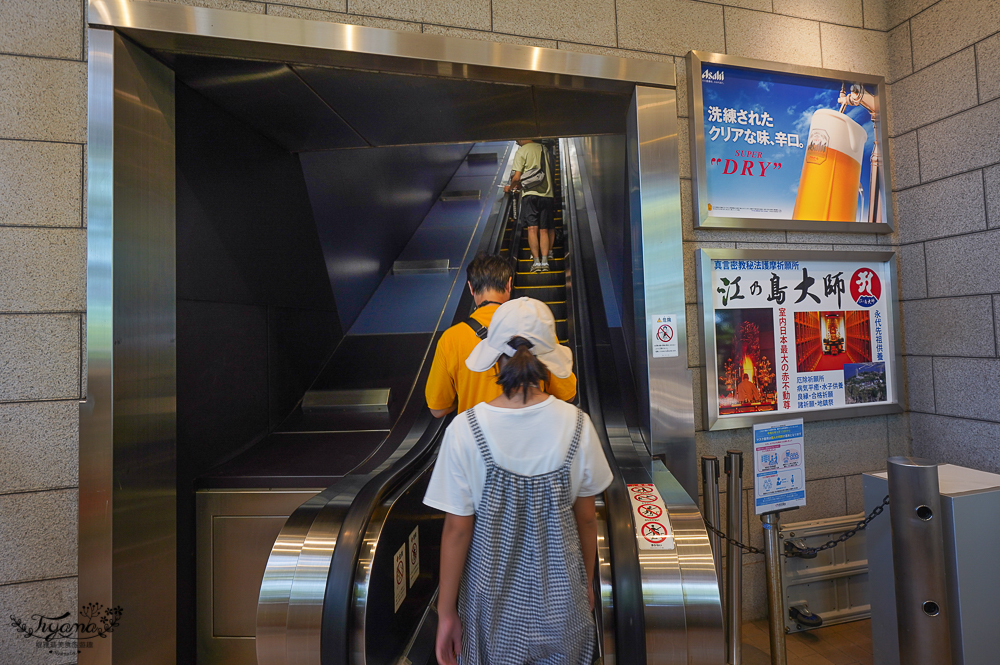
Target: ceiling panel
column 394, row 109
column 269, row 97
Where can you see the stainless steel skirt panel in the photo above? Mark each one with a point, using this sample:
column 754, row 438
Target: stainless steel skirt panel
column 290, row 608
column 698, row 586
column 381, row 626
column 228, row 566
column 606, row 580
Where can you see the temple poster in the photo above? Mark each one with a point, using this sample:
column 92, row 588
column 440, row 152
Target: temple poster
column 794, row 336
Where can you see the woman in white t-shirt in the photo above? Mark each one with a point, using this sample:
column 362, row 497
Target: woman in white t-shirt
column 517, row 478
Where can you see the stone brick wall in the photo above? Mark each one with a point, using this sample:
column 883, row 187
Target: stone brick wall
column 943, row 117
column 43, row 245
column 946, row 99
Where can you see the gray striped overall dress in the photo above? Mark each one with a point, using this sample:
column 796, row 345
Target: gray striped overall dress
column 523, row 597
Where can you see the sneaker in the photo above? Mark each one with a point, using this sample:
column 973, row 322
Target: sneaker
column 536, row 266
column 545, row 265
column 550, row 257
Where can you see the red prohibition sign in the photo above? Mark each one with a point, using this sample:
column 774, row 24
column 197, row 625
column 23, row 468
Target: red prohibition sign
column 654, row 532
column 641, row 489
column 646, row 498
column 399, row 573
column 650, row 511
column 665, row 333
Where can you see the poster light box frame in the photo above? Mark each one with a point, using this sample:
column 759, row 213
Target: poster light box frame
column 696, row 114
column 705, row 259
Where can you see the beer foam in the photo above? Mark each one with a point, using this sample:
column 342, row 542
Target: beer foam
column 845, row 135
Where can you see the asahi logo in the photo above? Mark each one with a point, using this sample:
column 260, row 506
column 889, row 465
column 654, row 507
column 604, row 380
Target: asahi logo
column 709, row 75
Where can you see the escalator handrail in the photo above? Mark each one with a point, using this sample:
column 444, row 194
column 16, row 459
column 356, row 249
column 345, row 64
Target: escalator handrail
column 339, row 598
column 630, row 638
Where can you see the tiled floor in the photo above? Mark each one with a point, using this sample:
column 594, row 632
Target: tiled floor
column 842, row 644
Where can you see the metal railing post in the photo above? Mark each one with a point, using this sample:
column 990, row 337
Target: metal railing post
column 711, row 508
column 734, row 557
column 918, row 562
column 775, row 606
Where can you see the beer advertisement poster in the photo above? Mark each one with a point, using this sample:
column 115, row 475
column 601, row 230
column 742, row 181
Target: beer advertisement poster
column 798, row 333
column 776, row 149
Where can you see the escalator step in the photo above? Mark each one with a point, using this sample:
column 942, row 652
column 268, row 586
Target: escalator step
column 524, row 265
column 562, row 330
column 543, row 293
column 558, row 308
column 549, row 278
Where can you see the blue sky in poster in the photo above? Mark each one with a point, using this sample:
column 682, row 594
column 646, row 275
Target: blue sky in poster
column 790, row 100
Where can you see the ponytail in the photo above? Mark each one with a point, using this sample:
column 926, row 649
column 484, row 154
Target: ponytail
column 520, row 371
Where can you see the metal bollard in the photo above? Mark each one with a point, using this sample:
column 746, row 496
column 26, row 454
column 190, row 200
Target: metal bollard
column 775, row 605
column 918, row 562
column 734, row 557
column 710, row 484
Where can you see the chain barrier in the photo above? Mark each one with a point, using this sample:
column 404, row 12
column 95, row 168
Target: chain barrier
column 807, row 552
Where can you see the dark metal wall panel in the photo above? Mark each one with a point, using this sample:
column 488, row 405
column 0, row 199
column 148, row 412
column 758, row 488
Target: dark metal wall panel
column 245, row 230
column 367, row 205
column 300, row 341
column 221, row 407
column 563, row 112
column 269, row 97
column 222, row 381
column 256, row 316
column 396, row 109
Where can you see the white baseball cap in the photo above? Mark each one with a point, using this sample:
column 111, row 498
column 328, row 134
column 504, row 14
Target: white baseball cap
column 528, row 318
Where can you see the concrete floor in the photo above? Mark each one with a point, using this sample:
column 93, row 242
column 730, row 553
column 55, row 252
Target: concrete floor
column 842, row 644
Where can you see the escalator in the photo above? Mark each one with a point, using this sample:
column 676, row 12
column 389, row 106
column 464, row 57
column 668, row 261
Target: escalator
column 352, row 577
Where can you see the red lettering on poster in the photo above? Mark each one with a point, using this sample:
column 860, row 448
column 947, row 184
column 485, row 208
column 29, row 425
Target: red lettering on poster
column 786, row 395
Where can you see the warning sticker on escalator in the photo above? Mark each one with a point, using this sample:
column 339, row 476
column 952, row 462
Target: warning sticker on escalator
column 654, row 532
column 399, row 576
column 652, row 523
column 413, row 548
column 664, row 335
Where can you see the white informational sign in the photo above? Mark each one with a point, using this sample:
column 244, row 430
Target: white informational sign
column 664, row 335
column 399, row 576
column 652, row 524
column 791, row 336
column 413, row 548
column 779, row 473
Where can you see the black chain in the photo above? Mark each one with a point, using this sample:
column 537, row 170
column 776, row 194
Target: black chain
column 809, row 552
column 750, row 549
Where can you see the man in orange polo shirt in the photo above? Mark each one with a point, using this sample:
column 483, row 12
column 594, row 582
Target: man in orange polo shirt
column 451, row 384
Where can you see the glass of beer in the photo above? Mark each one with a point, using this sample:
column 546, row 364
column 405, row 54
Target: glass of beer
column 831, row 172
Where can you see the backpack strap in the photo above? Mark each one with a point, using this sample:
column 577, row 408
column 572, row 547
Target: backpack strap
column 575, row 444
column 478, row 328
column 477, row 433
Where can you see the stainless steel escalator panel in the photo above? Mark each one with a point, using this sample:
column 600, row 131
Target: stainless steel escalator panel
column 374, row 400
column 687, row 610
column 237, row 34
column 290, row 609
column 681, row 606
column 605, row 577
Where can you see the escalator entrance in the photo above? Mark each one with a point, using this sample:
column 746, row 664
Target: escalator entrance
column 255, row 187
